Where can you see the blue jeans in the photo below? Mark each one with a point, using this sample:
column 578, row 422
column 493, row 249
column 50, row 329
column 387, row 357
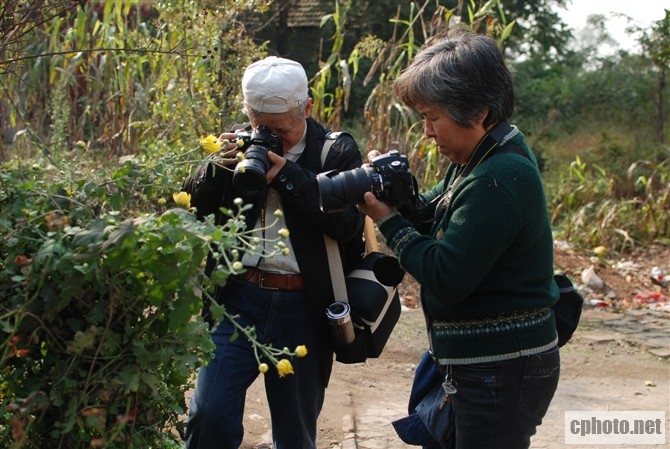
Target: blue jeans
column 499, row 405
column 216, row 409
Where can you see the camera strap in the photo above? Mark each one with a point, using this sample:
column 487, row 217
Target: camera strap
column 497, row 136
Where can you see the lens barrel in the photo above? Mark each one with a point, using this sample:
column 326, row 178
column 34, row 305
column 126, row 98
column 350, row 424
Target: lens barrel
column 249, row 175
column 339, row 190
column 341, row 326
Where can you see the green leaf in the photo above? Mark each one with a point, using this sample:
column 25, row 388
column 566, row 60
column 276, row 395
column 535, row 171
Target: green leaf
column 130, row 378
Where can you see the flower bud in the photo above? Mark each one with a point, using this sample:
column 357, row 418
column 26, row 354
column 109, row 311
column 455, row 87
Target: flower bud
column 284, row 367
column 301, row 351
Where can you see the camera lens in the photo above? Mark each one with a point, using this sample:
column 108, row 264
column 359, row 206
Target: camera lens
column 338, row 190
column 249, row 174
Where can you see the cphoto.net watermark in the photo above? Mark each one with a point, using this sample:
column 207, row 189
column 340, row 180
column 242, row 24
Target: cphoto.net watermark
column 615, row 427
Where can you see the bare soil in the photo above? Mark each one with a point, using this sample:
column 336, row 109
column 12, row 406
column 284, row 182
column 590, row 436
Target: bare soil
column 603, row 367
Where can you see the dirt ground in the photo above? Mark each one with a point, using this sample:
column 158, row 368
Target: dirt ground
column 606, row 366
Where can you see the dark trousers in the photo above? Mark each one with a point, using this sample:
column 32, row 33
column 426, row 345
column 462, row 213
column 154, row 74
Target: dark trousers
column 500, row 404
column 216, row 410
column 497, row 405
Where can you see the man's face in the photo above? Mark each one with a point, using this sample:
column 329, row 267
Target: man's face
column 285, row 125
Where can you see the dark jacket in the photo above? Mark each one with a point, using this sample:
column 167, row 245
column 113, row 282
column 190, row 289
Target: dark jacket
column 212, row 188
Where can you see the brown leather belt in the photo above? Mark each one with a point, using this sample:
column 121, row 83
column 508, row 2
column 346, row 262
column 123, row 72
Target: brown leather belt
column 272, row 281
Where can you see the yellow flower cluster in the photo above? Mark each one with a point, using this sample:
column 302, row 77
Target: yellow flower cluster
column 182, row 199
column 210, row 144
column 284, row 366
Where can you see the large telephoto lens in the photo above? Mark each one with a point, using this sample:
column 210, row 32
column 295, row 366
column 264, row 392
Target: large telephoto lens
column 339, row 190
column 249, row 175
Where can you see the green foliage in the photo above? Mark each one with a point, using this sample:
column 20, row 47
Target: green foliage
column 101, row 278
column 597, row 123
column 99, row 324
column 124, row 73
column 101, row 287
column 620, row 207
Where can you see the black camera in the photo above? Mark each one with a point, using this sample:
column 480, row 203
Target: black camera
column 249, row 174
column 388, row 177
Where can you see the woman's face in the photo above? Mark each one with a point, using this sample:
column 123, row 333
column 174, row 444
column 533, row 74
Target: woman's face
column 454, row 141
column 284, row 125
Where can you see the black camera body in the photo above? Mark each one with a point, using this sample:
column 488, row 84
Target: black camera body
column 388, row 177
column 249, row 174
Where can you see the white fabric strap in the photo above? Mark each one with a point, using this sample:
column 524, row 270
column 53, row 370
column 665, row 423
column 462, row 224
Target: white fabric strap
column 333, row 250
column 336, row 271
column 331, row 137
column 334, row 260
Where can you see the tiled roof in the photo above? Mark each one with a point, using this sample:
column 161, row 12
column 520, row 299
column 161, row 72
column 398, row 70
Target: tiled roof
column 308, row 13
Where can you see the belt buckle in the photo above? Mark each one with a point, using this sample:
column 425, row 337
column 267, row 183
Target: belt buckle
column 261, row 284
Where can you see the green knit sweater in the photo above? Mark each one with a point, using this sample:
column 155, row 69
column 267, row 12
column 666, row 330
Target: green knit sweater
column 486, row 266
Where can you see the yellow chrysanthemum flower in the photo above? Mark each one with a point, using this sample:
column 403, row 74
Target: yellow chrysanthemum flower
column 210, row 144
column 284, row 367
column 182, row 199
column 601, row 251
column 237, row 266
column 283, row 232
column 301, row 351
column 263, row 368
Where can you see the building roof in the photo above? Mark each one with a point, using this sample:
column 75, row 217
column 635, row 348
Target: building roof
column 308, row 13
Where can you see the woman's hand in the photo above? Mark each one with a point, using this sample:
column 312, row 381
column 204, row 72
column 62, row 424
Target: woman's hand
column 373, row 154
column 374, row 208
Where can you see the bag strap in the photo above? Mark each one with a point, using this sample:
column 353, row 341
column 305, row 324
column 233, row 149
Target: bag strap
column 336, row 270
column 331, row 137
column 332, row 249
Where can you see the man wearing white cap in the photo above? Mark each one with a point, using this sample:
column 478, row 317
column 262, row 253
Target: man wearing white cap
column 284, row 297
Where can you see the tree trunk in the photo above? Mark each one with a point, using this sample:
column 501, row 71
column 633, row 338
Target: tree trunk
column 660, row 126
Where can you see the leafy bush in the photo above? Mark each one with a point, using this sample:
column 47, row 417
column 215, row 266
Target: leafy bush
column 99, row 318
column 100, row 307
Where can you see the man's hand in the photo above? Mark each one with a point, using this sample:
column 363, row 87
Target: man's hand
column 277, row 164
column 227, row 155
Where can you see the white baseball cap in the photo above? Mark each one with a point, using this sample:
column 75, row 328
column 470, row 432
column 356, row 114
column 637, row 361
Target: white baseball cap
column 274, row 85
